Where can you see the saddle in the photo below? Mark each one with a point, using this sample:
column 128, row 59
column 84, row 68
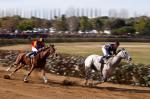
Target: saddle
column 105, row 59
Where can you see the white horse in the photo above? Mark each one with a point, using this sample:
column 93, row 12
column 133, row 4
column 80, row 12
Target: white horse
column 93, row 62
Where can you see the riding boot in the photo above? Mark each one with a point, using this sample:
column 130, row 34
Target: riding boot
column 103, row 60
column 107, row 57
column 102, row 66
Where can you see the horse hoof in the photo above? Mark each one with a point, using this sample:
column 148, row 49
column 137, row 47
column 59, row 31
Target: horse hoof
column 25, row 81
column 7, row 70
column 6, row 77
column 45, row 82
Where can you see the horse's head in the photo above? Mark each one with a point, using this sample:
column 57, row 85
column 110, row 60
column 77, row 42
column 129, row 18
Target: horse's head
column 51, row 48
column 125, row 55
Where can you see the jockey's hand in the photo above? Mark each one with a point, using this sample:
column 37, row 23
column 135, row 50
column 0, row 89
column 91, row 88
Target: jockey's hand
column 42, row 48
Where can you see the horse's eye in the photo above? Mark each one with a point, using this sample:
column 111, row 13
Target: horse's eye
column 125, row 52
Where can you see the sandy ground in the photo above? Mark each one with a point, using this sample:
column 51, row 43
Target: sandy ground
column 15, row 88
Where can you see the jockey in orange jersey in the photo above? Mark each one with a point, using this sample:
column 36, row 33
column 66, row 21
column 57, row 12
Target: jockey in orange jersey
column 36, row 46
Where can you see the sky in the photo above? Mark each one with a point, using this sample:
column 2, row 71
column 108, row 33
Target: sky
column 141, row 7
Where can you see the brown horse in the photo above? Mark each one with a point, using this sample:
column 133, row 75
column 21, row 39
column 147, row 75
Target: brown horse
column 38, row 61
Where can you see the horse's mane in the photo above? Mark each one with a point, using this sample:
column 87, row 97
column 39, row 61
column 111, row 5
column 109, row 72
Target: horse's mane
column 43, row 49
column 120, row 50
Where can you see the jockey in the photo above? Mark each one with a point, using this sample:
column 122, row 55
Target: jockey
column 37, row 45
column 110, row 49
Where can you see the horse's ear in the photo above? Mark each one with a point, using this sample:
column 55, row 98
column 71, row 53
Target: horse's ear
column 52, row 45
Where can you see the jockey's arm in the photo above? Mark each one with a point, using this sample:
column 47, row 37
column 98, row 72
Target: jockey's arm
column 114, row 52
column 35, row 44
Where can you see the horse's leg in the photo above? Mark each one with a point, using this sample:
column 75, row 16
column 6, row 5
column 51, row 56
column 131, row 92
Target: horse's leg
column 26, row 77
column 19, row 67
column 103, row 77
column 17, row 61
column 87, row 75
column 10, row 67
column 44, row 77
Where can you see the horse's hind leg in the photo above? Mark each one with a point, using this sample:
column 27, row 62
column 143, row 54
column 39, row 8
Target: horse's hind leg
column 103, row 77
column 87, row 75
column 44, row 77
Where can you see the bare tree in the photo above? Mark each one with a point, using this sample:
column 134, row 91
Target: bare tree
column 73, row 23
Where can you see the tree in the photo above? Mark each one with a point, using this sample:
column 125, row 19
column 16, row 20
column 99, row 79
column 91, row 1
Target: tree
column 130, row 22
column 0, row 24
column 141, row 25
column 60, row 23
column 126, row 30
column 146, row 30
column 73, row 23
column 46, row 24
column 10, row 23
column 117, row 23
column 25, row 25
column 97, row 24
column 85, row 24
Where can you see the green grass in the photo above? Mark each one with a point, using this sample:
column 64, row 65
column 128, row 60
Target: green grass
column 140, row 52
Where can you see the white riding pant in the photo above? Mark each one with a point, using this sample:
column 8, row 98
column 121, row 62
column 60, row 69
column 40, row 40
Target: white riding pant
column 34, row 49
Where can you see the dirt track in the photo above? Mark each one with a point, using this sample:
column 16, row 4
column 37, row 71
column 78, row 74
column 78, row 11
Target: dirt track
column 35, row 89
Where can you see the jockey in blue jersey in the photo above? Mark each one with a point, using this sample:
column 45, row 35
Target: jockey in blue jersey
column 110, row 49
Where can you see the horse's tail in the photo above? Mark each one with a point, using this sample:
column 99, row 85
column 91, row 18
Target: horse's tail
column 19, row 58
